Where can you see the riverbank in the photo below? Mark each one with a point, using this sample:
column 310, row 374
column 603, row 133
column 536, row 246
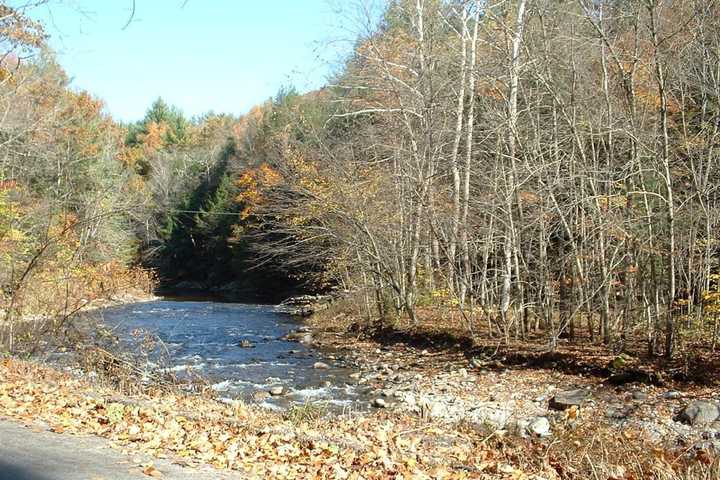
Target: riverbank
column 126, row 298
column 572, row 393
column 193, row 431
column 437, row 413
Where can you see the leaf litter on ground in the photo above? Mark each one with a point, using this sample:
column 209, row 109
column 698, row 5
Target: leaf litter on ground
column 193, row 430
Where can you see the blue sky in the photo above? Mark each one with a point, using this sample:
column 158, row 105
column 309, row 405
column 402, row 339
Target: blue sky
column 220, row 55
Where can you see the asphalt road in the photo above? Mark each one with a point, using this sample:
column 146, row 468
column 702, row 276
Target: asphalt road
column 33, row 453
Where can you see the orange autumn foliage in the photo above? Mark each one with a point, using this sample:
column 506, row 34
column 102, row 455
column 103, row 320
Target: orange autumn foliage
column 252, row 183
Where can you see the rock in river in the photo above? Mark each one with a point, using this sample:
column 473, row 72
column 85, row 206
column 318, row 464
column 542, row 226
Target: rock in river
column 379, row 403
column 301, row 337
column 700, row 412
column 260, row 396
column 276, row 391
column 569, row 398
column 321, row 366
column 246, row 344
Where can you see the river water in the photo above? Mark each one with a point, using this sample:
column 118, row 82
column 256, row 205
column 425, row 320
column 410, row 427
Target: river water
column 202, row 338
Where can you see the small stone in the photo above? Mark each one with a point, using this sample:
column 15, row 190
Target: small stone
column 276, row 391
column 672, row 395
column 246, row 344
column 700, row 412
column 327, row 384
column 462, row 372
column 638, row 395
column 379, row 403
column 477, row 363
column 260, row 396
column 570, row 398
column 619, row 412
column 321, row 366
column 539, row 426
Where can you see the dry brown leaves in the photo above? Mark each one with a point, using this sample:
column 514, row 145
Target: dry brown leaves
column 200, row 431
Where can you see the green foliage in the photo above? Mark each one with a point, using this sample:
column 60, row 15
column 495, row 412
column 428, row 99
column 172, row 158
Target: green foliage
column 160, row 113
column 308, row 412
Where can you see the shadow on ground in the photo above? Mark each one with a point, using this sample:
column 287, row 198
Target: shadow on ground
column 14, row 472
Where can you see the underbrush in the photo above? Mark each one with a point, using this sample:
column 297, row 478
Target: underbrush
column 593, row 451
column 43, row 307
column 306, row 413
column 443, row 328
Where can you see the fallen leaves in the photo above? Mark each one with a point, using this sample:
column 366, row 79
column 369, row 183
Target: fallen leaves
column 151, row 471
column 198, row 431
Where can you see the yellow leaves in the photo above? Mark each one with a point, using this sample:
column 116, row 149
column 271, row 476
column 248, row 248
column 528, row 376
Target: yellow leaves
column 268, row 176
column 288, row 450
column 151, row 471
column 13, row 240
column 572, row 413
column 261, row 444
column 131, row 156
column 252, row 184
column 115, row 412
column 19, row 31
column 154, row 139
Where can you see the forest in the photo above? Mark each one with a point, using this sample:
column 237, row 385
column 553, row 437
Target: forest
column 488, row 203
column 533, row 169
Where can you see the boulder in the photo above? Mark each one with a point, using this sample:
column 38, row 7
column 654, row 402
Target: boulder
column 569, row 398
column 700, row 412
column 619, row 412
column 321, row 366
column 431, row 410
column 410, row 400
column 276, row 391
column 539, row 426
column 305, row 305
column 379, row 403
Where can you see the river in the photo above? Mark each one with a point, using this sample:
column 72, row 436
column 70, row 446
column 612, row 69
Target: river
column 203, row 338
